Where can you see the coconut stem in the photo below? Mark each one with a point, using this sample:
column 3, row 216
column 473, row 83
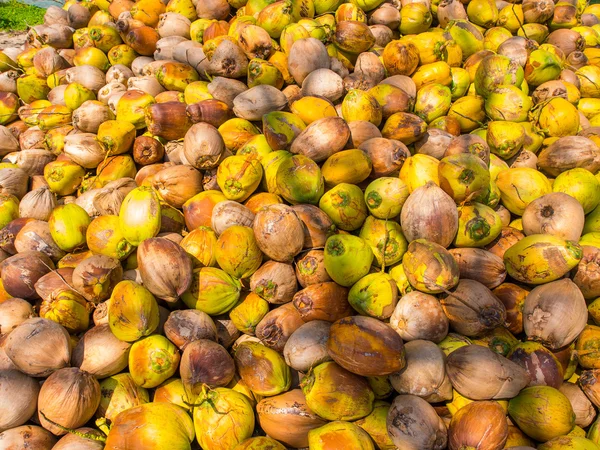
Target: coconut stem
column 90, row 436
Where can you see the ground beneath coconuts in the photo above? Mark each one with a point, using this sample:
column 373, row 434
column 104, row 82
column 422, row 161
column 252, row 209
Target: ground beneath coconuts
column 12, row 38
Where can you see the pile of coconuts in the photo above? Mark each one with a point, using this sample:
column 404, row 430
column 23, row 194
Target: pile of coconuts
column 301, row 224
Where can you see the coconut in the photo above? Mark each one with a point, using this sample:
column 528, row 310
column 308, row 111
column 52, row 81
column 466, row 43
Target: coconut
column 501, row 378
column 68, row 397
column 100, row 353
column 38, row 347
column 19, row 398
column 544, row 319
column 186, row 326
column 424, row 374
column 409, row 413
column 13, row 312
column 472, row 309
column 478, row 425
column 278, row 325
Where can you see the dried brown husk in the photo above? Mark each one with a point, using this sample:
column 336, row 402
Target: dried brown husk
column 508, row 237
column 226, row 89
column 113, row 87
column 322, row 138
column 38, row 204
column 76, row 442
column 323, row 301
column 307, row 346
column 185, row 326
column 555, row 313
column 38, row 347
column 203, row 146
column 275, row 282
column 424, row 374
column 324, row 83
column 177, row 184
column 32, row 138
column 480, row 265
column 48, row 61
column 258, row 101
column 89, row 76
column 306, row 56
column 86, row 201
column 165, row 267
column 8, row 142
column 108, row 201
column 204, row 362
column 434, row 143
column 287, row 418
column 228, row 60
column 29, row 437
column 100, row 314
column 100, row 353
column 228, row 213
column 588, row 381
column 437, row 223
column 473, row 309
column 310, row 268
column 84, row 149
column 413, row 424
column 279, row 232
column 365, row 346
column 513, row 298
column 5, row 362
column 53, row 281
column 570, row 152
column 32, row 161
column 386, row 155
column 90, row 115
column 278, row 325
column 13, row 312
column 368, row 72
column 478, row 373
column 478, row 425
column 556, row 214
column 68, row 397
column 587, row 273
column 18, row 398
column 584, row 410
column 20, row 273
column 13, row 181
column 8, row 81
column 317, row 225
column 419, row 316
column 35, row 236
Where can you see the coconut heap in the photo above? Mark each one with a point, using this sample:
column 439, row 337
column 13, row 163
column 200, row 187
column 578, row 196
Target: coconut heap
column 301, row 224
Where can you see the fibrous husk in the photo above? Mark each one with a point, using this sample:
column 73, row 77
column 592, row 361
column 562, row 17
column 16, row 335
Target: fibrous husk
column 480, row 374
column 413, row 424
column 68, row 397
column 275, row 282
column 18, row 399
column 437, row 223
column 424, row 374
column 38, row 204
column 38, row 347
column 322, row 138
column 555, row 313
column 258, row 101
column 472, row 308
column 480, row 265
column 570, row 152
column 165, row 267
column 419, row 316
column 100, row 353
